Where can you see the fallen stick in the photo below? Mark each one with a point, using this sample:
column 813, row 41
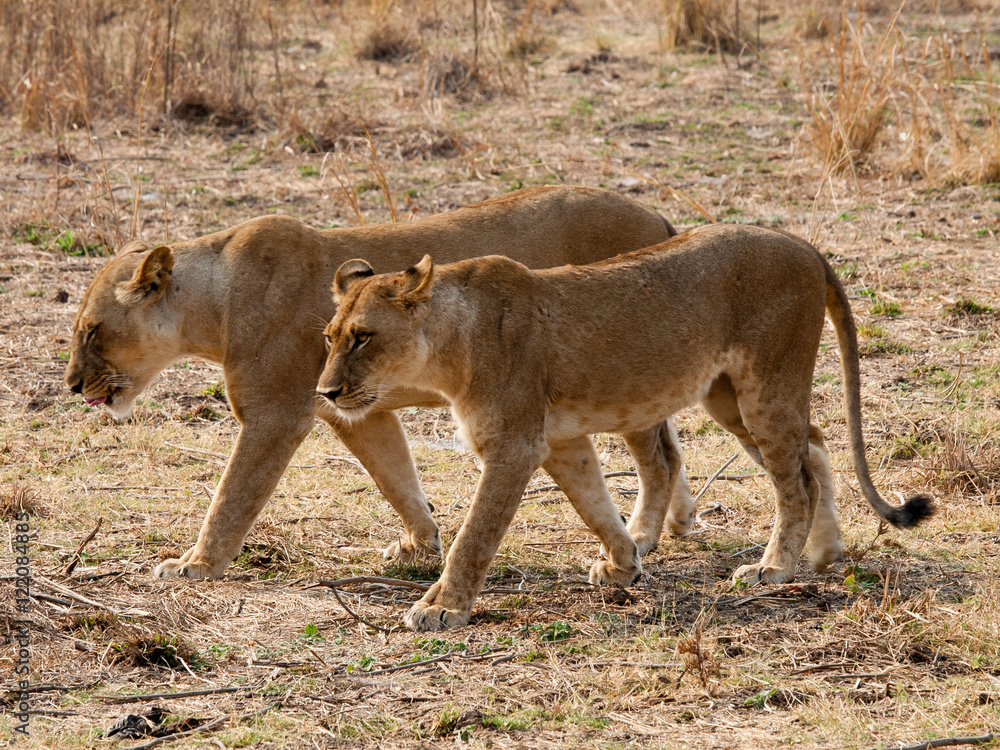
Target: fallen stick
column 398, row 667
column 715, row 476
column 76, row 555
column 53, row 599
column 355, row 615
column 171, row 737
column 168, row 696
column 341, row 582
column 72, row 594
column 948, row 742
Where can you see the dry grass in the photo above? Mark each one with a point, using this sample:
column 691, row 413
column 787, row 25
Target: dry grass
column 391, row 36
column 847, row 124
column 897, row 643
column 65, row 64
column 707, row 25
column 906, row 95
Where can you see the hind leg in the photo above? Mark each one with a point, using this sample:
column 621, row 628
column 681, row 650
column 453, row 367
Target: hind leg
column 770, row 434
column 664, row 493
column 825, row 546
column 722, row 406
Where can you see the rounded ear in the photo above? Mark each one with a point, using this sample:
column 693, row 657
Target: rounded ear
column 349, row 273
column 135, row 246
column 149, row 280
column 417, row 282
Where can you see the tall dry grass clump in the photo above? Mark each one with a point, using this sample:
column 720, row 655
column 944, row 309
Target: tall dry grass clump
column 949, row 113
column 64, row 63
column 847, row 117
column 927, row 103
column 975, row 152
column 712, row 25
column 390, row 35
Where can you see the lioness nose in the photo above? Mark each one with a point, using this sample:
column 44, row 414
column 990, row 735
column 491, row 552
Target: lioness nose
column 77, row 387
column 332, row 393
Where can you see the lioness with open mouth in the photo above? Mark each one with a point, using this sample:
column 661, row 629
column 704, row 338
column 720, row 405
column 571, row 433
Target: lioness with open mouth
column 533, row 362
column 255, row 298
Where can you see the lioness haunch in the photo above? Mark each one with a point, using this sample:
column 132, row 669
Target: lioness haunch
column 533, row 362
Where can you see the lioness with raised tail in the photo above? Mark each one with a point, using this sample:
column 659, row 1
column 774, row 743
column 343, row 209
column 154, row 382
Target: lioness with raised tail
column 533, row 362
column 255, row 298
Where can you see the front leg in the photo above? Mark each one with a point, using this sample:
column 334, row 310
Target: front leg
column 448, row 603
column 575, row 468
column 263, row 449
column 379, row 443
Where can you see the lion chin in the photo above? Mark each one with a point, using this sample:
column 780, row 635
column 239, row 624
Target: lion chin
column 120, row 410
column 351, row 414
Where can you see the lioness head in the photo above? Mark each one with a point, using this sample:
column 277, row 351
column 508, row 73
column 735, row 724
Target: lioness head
column 122, row 335
column 374, row 339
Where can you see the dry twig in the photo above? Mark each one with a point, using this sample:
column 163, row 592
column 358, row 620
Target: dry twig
column 171, row 737
column 168, row 696
column 355, row 615
column 76, row 555
column 948, row 742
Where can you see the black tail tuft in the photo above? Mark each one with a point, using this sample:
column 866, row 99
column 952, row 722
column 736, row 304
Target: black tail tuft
column 912, row 512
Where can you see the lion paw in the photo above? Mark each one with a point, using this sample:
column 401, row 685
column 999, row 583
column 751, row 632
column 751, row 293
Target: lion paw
column 603, row 573
column 185, row 568
column 425, row 616
column 408, row 551
column 821, row 558
column 645, row 543
column 752, row 575
column 679, row 527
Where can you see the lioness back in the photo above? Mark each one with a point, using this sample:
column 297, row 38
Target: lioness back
column 540, row 227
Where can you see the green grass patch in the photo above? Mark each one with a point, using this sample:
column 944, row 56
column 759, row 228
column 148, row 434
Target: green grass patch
column 422, row 571
column 967, row 306
column 859, row 580
column 885, row 307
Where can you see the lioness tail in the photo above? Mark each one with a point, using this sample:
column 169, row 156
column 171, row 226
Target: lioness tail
column 916, row 508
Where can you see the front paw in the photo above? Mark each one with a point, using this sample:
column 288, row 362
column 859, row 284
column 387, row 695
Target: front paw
column 603, row 573
column 426, row 616
column 752, row 575
column 409, row 551
column 188, row 566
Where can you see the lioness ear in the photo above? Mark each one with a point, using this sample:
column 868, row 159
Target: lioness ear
column 135, row 246
column 349, row 273
column 149, row 280
column 417, row 282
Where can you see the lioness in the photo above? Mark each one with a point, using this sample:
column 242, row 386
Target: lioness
column 533, row 362
column 255, row 298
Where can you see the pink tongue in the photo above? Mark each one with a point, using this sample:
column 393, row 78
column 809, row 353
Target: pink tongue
column 95, row 401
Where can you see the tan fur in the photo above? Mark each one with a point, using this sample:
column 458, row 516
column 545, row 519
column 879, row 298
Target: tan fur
column 533, row 362
column 255, row 298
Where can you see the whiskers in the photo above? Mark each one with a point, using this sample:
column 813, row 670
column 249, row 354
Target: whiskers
column 355, row 403
column 119, row 380
column 106, row 382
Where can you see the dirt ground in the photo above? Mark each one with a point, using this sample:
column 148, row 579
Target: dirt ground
column 898, row 643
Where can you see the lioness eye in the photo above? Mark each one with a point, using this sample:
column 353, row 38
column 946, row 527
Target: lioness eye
column 360, row 339
column 89, row 335
column 327, row 341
